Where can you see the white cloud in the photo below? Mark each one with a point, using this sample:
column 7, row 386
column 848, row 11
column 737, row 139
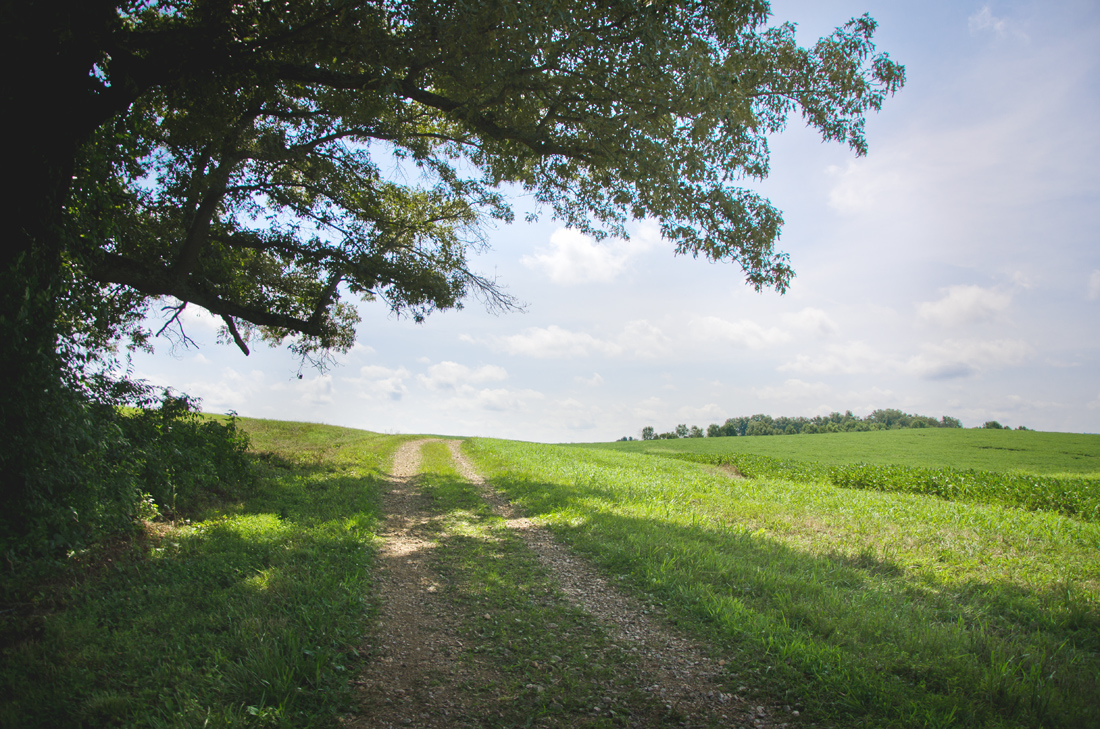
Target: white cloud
column 576, row 258
column 232, row 391
column 812, row 321
column 378, row 381
column 501, row 399
column 456, row 385
column 454, row 376
column 651, row 408
column 642, row 339
column 792, row 390
column 743, row 333
column 594, row 381
column 850, row 358
column 639, row 338
column 1094, row 286
column 707, row 413
column 199, row 318
column 985, row 20
column 955, row 358
column 553, row 341
column 964, row 305
column 310, row 391
column 947, row 360
column 862, row 185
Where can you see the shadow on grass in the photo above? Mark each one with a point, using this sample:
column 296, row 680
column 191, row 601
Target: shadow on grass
column 857, row 636
column 250, row 616
column 553, row 664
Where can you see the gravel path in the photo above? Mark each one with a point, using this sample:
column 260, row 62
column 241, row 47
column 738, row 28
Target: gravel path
column 413, row 677
column 678, row 670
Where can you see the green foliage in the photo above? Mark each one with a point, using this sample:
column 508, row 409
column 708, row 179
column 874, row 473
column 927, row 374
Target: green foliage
column 250, row 614
column 274, row 162
column 256, row 186
column 869, row 608
column 888, row 419
column 181, row 458
column 126, row 464
column 761, row 424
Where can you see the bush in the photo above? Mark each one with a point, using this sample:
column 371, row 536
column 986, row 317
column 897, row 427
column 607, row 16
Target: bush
column 127, row 464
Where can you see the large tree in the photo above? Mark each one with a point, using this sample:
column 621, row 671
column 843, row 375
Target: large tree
column 273, row 160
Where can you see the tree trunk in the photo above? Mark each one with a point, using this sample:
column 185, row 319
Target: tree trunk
column 50, row 107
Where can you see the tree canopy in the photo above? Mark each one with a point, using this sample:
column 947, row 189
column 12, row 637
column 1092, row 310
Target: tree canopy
column 273, row 161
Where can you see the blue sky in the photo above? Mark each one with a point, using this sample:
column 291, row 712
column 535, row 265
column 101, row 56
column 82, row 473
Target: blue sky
column 954, row 270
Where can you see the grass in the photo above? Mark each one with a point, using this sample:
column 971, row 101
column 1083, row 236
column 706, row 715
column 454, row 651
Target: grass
column 874, row 609
column 556, row 665
column 863, row 607
column 249, row 614
column 989, row 450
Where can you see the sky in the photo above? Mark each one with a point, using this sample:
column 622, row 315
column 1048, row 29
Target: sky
column 954, row 270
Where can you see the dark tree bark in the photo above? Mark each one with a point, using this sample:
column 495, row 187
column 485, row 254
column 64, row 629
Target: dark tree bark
column 51, row 107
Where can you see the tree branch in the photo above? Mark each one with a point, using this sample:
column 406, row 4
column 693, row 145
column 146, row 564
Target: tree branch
column 490, row 128
column 232, row 327
column 117, row 269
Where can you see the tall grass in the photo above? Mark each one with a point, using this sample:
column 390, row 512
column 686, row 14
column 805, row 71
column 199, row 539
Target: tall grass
column 877, row 609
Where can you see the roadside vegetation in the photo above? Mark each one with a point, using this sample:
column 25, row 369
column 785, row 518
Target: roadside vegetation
column 128, row 464
column 246, row 608
column 876, row 609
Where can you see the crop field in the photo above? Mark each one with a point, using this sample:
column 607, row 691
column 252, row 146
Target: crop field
column 879, row 608
column 1038, row 471
column 992, row 450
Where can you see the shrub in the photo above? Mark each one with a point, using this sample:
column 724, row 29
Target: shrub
column 127, row 464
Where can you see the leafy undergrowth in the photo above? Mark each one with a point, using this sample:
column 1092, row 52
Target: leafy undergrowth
column 877, row 609
column 248, row 614
column 559, row 667
column 1073, row 495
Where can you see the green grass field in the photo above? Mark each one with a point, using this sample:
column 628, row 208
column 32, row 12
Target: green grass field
column 248, row 614
column 864, row 607
column 990, row 450
column 877, row 609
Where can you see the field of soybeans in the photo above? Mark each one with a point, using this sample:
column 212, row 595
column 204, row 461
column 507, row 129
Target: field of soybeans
column 892, row 578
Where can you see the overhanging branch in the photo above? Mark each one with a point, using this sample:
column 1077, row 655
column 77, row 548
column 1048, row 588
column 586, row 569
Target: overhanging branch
column 152, row 281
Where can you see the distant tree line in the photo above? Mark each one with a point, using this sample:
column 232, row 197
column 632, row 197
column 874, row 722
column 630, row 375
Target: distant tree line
column 888, row 419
